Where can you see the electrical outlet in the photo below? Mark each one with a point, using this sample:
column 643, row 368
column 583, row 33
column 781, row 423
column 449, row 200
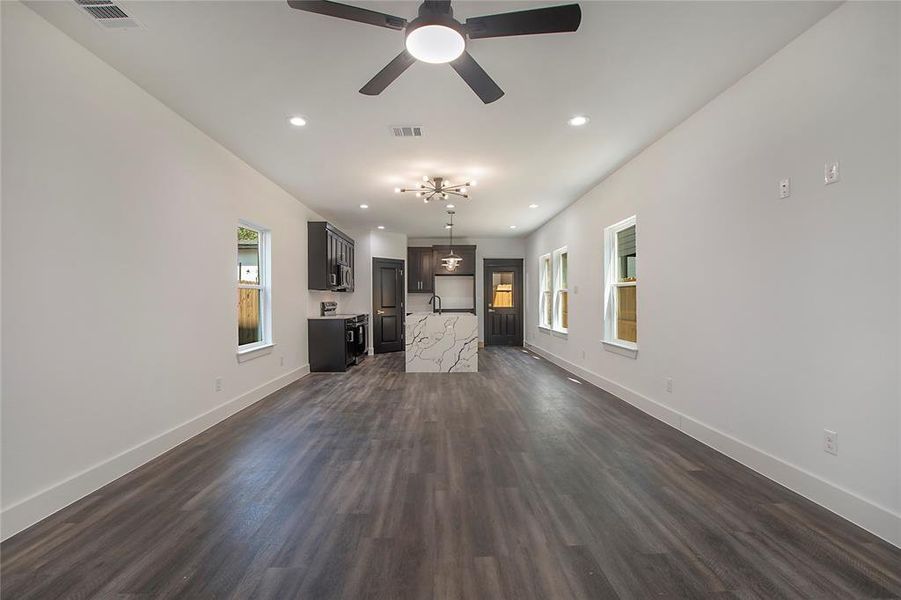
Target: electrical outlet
column 218, row 384
column 831, row 173
column 669, row 385
column 785, row 188
column 830, row 441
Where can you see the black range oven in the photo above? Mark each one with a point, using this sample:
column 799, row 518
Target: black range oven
column 355, row 338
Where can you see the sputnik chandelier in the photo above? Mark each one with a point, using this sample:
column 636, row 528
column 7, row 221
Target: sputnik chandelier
column 439, row 188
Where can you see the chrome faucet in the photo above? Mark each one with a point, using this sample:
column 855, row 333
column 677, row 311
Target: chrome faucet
column 435, row 301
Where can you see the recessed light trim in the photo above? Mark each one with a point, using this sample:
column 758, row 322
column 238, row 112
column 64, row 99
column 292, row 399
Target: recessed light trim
column 512, row 226
column 297, row 121
column 451, row 206
column 578, row 120
column 381, row 227
column 533, row 205
column 364, row 206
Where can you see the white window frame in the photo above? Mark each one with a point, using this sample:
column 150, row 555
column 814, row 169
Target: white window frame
column 265, row 345
column 611, row 341
column 545, row 294
column 558, row 287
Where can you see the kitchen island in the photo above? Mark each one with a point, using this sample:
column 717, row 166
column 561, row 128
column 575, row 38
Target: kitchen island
column 442, row 343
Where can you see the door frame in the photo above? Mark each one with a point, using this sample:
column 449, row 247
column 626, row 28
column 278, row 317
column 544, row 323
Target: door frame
column 402, row 288
column 508, row 264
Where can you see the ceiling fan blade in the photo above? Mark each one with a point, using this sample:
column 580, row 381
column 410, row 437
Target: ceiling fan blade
column 476, row 78
column 391, row 72
column 351, row 13
column 553, row 19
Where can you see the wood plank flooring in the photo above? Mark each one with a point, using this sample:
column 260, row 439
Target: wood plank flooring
column 513, row 482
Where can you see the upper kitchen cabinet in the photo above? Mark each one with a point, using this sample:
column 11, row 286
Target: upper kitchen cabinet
column 420, row 269
column 466, row 267
column 330, row 258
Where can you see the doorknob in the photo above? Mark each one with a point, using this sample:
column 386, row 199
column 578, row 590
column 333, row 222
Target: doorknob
column 490, row 310
column 379, row 312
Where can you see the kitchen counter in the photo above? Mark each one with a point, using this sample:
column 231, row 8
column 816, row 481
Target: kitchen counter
column 442, row 343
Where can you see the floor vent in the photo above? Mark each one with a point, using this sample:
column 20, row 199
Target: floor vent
column 107, row 14
column 407, row 131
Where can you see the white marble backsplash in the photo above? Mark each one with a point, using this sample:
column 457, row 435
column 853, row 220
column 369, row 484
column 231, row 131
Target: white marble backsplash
column 447, row 343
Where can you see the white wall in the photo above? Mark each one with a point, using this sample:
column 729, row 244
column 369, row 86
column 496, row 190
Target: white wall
column 776, row 319
column 119, row 249
column 485, row 248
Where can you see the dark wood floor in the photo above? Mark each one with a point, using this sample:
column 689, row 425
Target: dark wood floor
column 514, row 482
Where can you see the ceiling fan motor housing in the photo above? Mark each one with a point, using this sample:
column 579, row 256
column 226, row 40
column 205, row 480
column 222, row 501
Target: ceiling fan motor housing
column 427, row 17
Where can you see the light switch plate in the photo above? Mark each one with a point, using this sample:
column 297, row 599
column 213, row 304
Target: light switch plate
column 831, row 172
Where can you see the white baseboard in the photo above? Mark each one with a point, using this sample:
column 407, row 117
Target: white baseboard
column 878, row 520
column 29, row 511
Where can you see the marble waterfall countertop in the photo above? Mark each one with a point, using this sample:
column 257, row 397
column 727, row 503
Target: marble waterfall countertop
column 446, row 343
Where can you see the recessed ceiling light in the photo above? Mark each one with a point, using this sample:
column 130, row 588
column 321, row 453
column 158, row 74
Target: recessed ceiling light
column 578, row 120
column 533, row 206
column 450, row 206
column 381, row 226
column 512, row 226
column 297, row 121
column 364, row 206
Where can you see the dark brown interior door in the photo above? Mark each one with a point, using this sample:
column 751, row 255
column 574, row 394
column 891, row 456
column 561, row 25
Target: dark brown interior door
column 387, row 305
column 503, row 302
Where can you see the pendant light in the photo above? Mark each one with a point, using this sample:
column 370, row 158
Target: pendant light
column 452, row 260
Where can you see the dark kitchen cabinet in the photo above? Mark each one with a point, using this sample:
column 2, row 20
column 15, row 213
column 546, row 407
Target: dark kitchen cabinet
column 466, row 267
column 420, row 269
column 337, row 343
column 330, row 258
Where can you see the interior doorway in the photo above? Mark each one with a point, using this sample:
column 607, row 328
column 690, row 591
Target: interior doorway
column 503, row 301
column 387, row 305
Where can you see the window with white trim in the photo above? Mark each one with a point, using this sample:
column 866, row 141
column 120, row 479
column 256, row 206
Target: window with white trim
column 621, row 284
column 546, row 299
column 254, row 302
column 561, row 291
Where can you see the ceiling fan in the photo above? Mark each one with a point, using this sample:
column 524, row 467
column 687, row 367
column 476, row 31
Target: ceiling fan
column 436, row 37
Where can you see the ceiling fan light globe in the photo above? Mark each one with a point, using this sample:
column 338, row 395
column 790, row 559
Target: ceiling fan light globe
column 435, row 44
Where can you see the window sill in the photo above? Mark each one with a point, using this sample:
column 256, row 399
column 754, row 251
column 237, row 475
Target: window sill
column 560, row 333
column 622, row 348
column 246, row 354
column 543, row 329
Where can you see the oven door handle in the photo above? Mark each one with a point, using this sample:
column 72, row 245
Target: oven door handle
column 350, row 335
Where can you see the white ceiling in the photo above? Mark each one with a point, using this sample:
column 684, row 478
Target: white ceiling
column 237, row 70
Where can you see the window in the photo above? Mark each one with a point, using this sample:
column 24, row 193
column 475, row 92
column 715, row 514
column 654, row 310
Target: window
column 621, row 285
column 546, row 300
column 561, row 291
column 254, row 322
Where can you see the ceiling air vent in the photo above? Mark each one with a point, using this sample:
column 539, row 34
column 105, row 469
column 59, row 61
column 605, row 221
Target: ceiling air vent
column 405, row 131
column 107, row 14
